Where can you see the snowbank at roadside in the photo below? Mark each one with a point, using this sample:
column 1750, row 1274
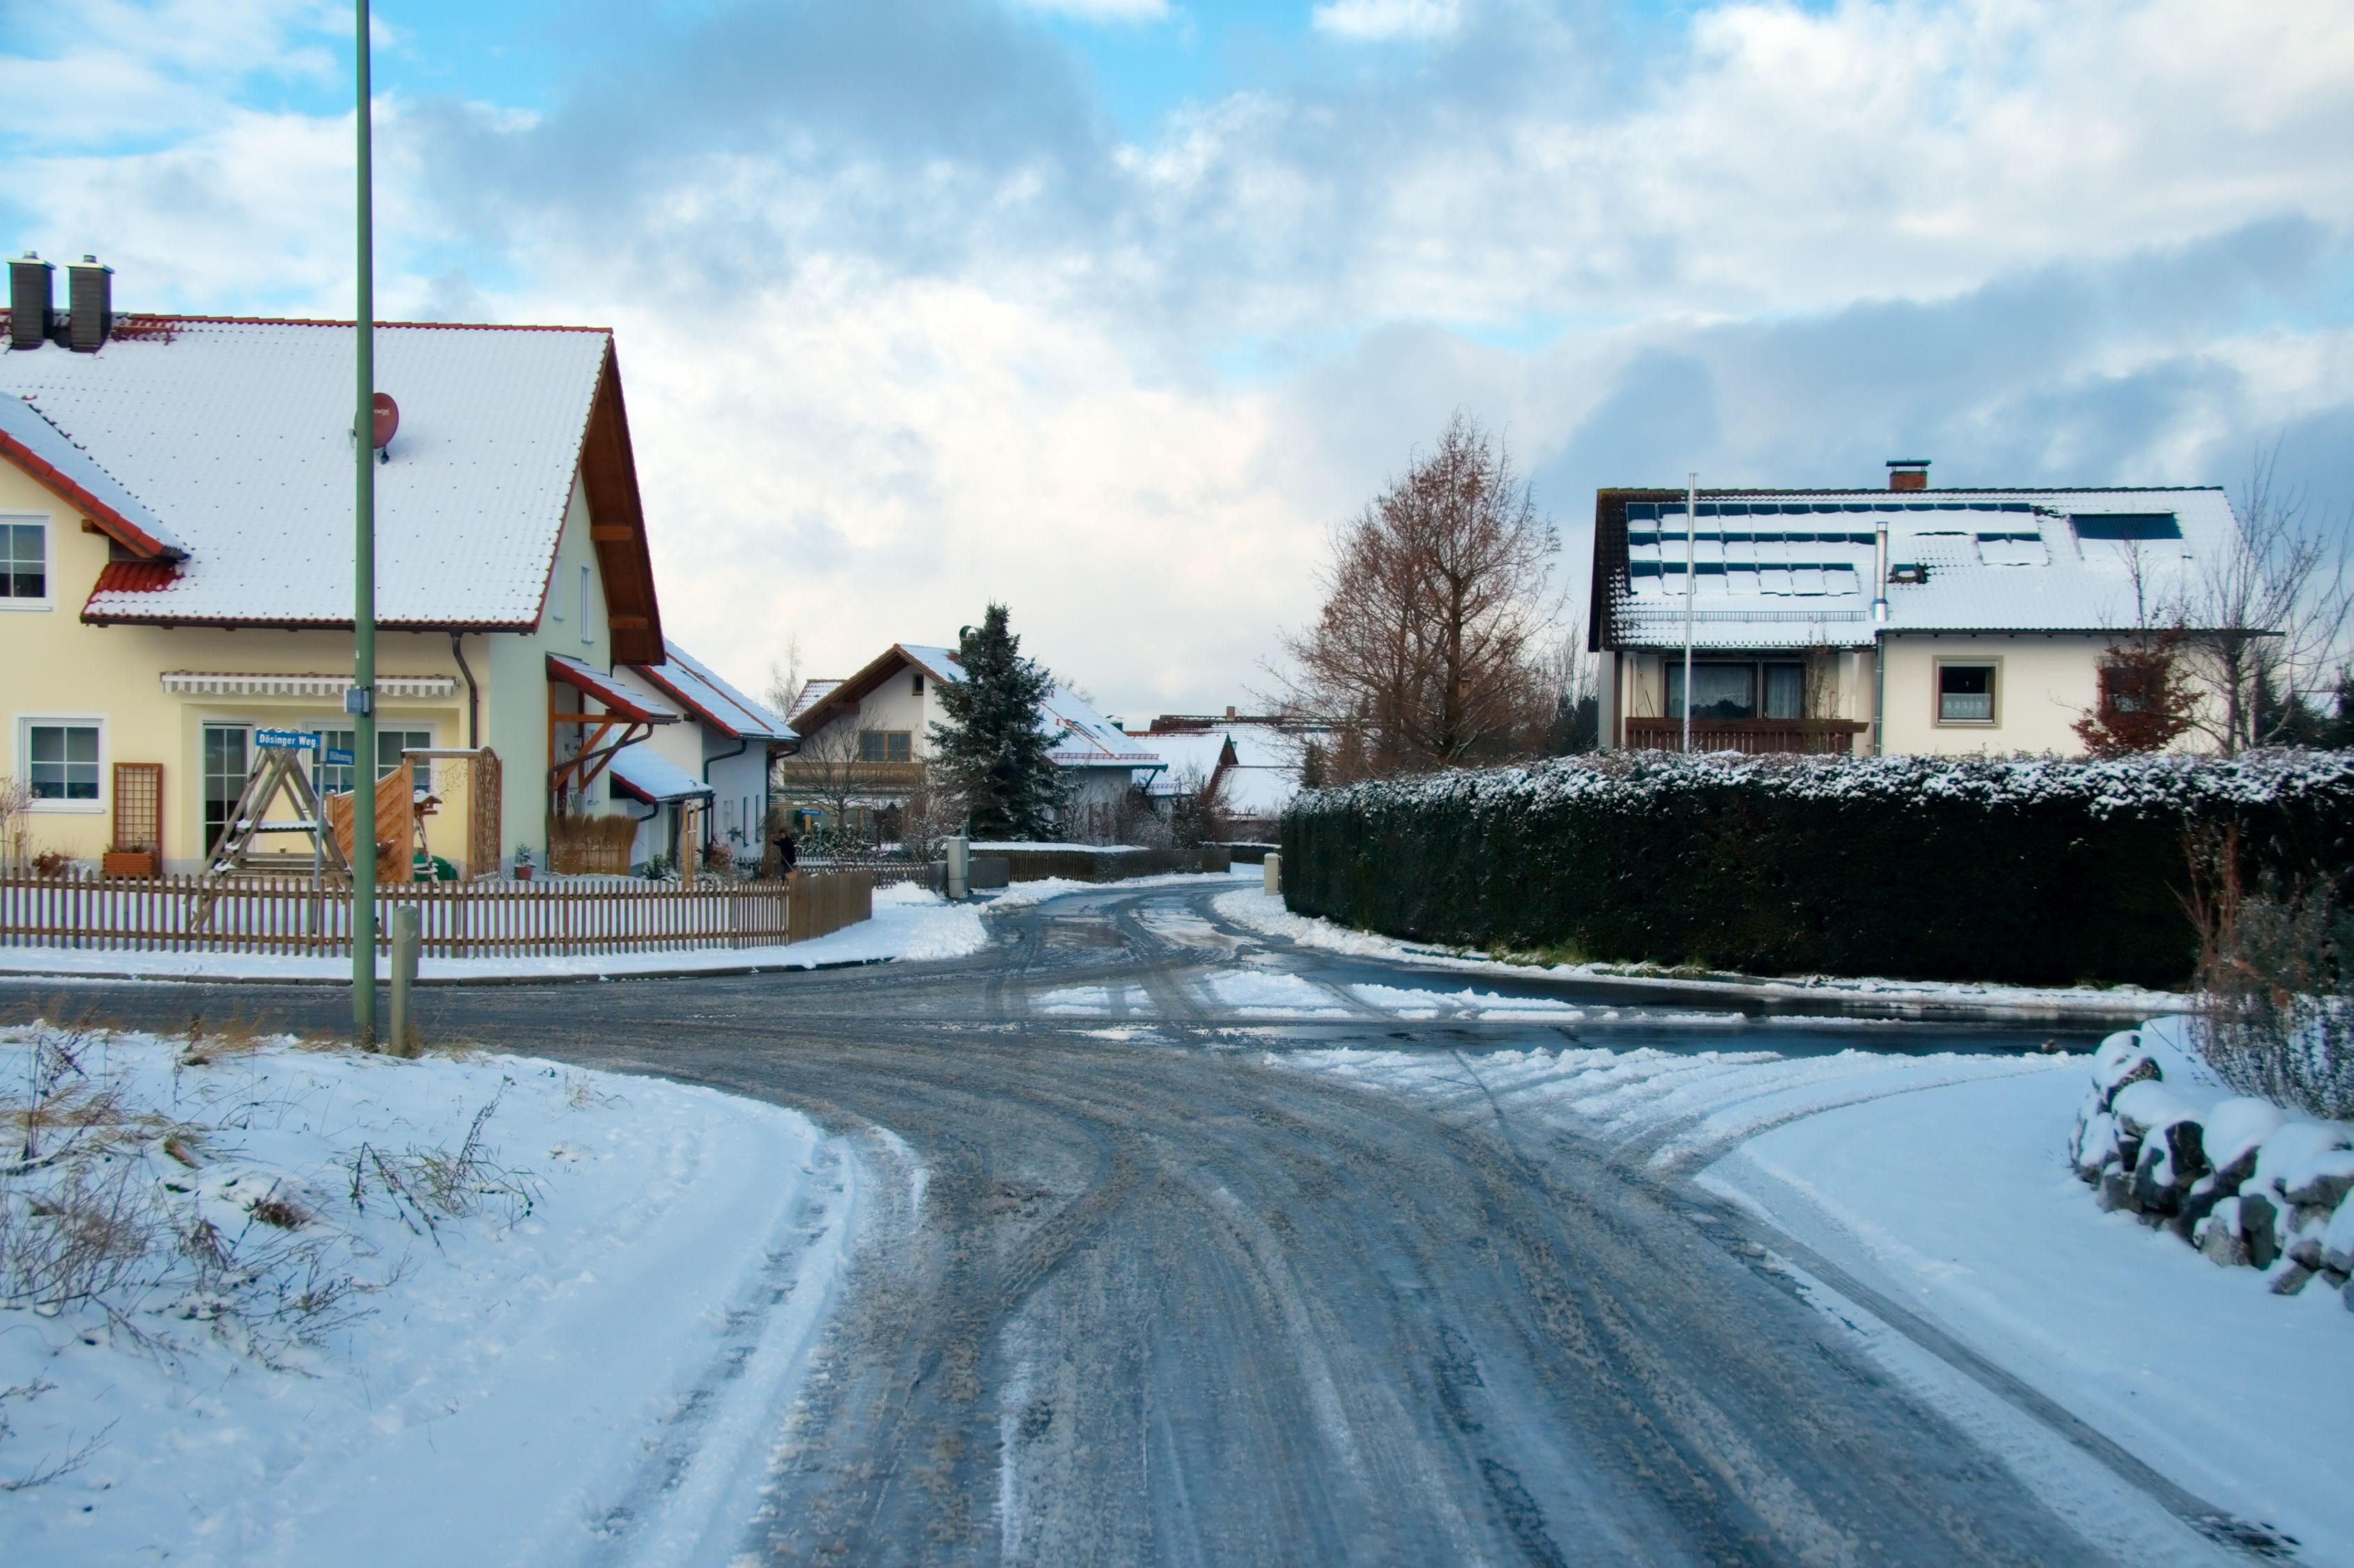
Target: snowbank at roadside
column 1265, row 912
column 1942, row 1182
column 485, row 1309
column 909, row 922
column 1023, row 894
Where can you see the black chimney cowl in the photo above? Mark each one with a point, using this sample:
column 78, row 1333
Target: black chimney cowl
column 89, row 301
column 29, row 301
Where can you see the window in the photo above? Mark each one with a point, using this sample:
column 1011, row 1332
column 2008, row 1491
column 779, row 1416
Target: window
column 1728, row 690
column 24, row 561
column 389, row 744
column 61, row 763
column 1964, row 694
column 885, row 746
column 227, row 749
column 586, row 634
column 916, row 685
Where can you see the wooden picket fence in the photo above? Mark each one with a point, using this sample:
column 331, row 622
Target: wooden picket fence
column 460, row 920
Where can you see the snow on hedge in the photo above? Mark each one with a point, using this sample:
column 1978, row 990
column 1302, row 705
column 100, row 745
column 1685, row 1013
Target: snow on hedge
column 1635, row 778
column 261, row 1304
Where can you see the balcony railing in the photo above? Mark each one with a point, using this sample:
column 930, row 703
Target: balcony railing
column 888, row 777
column 1757, row 738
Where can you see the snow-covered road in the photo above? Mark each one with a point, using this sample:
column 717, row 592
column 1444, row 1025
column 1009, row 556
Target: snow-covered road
column 1205, row 1246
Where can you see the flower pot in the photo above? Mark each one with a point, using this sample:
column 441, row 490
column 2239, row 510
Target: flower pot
column 523, row 874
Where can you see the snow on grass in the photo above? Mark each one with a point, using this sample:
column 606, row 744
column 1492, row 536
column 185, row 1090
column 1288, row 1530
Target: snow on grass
column 362, row 1310
column 1963, row 1200
column 909, row 922
column 1265, row 913
column 1023, row 894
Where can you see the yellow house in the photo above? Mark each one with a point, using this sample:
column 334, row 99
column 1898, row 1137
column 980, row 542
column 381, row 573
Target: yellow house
column 176, row 561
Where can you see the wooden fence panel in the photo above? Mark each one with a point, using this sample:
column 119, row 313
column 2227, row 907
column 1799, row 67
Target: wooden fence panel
column 472, row 919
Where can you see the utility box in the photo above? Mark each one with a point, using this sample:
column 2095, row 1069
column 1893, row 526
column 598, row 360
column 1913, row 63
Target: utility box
column 1270, row 874
column 960, row 859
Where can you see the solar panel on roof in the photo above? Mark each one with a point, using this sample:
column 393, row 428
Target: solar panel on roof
column 1636, row 510
column 2126, row 525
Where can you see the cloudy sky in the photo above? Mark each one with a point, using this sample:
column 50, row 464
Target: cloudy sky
column 1112, row 308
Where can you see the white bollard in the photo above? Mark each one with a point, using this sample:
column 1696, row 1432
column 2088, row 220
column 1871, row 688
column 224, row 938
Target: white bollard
column 408, row 933
column 1272, row 873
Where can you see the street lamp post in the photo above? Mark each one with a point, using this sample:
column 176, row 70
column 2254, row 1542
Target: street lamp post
column 360, row 701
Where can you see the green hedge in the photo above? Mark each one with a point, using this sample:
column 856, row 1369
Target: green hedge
column 2037, row 873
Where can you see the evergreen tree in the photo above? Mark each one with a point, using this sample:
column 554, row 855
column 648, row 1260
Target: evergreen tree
column 994, row 745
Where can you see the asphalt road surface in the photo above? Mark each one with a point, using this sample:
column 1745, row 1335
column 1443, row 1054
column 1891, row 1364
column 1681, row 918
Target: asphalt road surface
column 1135, row 1294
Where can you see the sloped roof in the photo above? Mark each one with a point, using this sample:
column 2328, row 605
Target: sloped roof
column 1784, row 568
column 234, row 436
column 1262, row 779
column 811, row 692
column 1084, row 738
column 643, row 772
column 618, row 698
column 695, row 688
column 27, row 438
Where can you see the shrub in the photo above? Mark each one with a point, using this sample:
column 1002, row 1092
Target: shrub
column 2032, row 871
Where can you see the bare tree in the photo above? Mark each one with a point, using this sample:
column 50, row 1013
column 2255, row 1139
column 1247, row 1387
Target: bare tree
column 1427, row 651
column 15, row 805
column 784, row 678
column 2267, row 613
column 829, row 773
column 1572, row 688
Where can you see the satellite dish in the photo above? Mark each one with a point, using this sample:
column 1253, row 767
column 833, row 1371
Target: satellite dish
column 386, row 420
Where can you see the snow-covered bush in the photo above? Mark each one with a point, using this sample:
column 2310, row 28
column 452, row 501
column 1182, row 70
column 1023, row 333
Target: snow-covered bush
column 2035, row 871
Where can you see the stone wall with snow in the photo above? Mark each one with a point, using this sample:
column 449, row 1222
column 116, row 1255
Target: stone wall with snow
column 2245, row 1181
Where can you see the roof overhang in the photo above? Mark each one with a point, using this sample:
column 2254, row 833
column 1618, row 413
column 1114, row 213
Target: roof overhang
column 618, row 698
column 617, row 525
column 106, row 518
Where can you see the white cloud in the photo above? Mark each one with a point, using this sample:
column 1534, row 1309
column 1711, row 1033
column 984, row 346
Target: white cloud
column 1381, row 20
column 937, row 348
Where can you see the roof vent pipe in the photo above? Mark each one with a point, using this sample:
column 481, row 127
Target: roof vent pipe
column 1880, row 572
column 89, row 301
column 1908, row 473
column 29, row 301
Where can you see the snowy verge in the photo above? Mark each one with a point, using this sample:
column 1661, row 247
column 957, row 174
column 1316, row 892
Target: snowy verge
column 1265, row 913
column 1941, row 1181
column 1959, row 1203
column 355, row 1316
column 1023, row 894
column 909, row 922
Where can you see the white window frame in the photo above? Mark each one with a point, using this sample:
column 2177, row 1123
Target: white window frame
column 48, row 522
column 105, row 801
column 588, row 630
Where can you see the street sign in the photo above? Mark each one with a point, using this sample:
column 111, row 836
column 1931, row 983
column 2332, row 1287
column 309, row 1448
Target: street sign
column 287, row 740
column 339, row 757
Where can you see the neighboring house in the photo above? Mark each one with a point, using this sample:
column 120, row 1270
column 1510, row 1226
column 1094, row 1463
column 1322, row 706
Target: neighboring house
column 1255, row 762
column 704, row 782
column 1900, row 620
column 865, row 739
column 175, row 497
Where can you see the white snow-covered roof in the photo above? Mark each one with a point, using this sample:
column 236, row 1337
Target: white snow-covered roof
column 1084, row 738
column 1780, row 569
column 235, row 436
column 711, row 699
column 28, row 437
column 810, row 691
column 1260, row 782
column 642, row 771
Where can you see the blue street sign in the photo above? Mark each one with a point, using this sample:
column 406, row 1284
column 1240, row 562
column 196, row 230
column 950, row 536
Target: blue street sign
column 287, row 740
column 339, row 757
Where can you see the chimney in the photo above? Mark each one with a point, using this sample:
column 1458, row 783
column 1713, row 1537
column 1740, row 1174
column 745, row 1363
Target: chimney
column 90, row 304
column 1908, row 473
column 1230, row 713
column 29, row 301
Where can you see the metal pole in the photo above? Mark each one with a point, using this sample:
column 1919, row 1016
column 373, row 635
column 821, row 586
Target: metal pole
column 361, row 702
column 1691, row 527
